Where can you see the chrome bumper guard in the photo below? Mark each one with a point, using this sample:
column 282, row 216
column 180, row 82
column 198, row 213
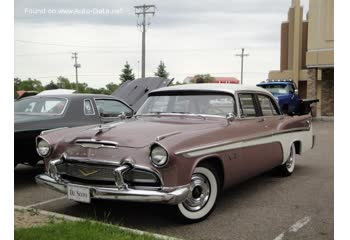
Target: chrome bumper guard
column 168, row 195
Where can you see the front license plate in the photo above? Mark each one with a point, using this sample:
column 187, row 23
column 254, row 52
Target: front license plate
column 79, row 194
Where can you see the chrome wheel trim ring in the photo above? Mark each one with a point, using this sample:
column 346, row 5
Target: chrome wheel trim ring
column 290, row 164
column 199, row 193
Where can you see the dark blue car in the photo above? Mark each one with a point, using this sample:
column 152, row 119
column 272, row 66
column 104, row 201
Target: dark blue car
column 285, row 93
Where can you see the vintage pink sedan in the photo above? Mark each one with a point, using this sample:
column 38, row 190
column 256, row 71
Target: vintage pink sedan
column 184, row 146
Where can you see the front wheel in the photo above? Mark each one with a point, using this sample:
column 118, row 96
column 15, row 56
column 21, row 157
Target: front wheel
column 204, row 188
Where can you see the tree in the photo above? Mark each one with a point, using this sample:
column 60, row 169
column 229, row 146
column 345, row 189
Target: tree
column 161, row 72
column 111, row 87
column 126, row 73
column 202, row 78
column 63, row 82
column 51, row 85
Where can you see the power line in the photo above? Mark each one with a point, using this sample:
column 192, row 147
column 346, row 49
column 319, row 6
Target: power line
column 144, row 10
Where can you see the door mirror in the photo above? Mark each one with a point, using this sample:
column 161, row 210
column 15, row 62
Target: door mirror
column 230, row 117
column 296, row 92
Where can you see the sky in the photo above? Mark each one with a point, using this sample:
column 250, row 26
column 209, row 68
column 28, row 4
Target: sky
column 191, row 37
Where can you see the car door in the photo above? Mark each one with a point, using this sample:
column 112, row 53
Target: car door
column 111, row 109
column 259, row 151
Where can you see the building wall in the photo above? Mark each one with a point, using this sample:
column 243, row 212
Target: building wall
column 321, row 34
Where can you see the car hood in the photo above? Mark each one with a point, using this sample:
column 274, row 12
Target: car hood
column 141, row 132
column 26, row 122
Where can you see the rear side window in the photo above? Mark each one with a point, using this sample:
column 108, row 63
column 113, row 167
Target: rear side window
column 266, row 105
column 88, row 109
column 247, row 105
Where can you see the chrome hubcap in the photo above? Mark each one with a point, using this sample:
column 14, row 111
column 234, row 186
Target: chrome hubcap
column 199, row 193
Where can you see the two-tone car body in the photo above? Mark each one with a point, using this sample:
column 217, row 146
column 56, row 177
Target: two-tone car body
column 184, row 146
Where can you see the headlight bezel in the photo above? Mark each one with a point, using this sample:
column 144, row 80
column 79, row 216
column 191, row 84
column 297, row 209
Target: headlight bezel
column 40, row 153
column 154, row 162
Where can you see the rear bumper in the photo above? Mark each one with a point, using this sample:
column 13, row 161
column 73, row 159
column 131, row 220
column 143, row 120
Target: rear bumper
column 174, row 195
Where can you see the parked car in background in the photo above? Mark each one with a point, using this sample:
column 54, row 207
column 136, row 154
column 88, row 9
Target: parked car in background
column 63, row 108
column 183, row 147
column 287, row 96
column 44, row 112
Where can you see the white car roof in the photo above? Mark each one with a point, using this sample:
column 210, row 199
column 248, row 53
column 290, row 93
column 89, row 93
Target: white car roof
column 230, row 88
column 56, row 92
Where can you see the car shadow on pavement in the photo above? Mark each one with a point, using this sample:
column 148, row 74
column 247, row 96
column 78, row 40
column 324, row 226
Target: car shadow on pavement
column 25, row 175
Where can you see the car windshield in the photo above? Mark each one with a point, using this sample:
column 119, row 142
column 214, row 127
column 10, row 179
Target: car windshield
column 277, row 88
column 183, row 103
column 54, row 106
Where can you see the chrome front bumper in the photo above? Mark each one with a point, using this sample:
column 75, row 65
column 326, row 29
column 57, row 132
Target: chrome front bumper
column 173, row 195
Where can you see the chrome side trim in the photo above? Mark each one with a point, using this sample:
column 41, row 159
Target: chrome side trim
column 231, row 144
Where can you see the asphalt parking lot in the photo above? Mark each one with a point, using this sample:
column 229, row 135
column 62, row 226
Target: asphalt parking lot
column 265, row 207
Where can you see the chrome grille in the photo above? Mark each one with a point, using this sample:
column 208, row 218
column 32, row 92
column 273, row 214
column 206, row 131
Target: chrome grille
column 104, row 174
column 87, row 171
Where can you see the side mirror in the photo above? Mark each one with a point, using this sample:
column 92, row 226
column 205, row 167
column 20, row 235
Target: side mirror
column 230, row 117
column 296, row 92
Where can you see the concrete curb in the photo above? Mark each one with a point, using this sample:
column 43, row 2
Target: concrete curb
column 70, row 218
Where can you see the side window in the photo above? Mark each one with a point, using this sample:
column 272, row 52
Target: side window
column 266, row 105
column 247, row 105
column 112, row 108
column 88, row 108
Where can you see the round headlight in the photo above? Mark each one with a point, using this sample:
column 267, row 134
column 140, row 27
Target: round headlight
column 159, row 156
column 43, row 148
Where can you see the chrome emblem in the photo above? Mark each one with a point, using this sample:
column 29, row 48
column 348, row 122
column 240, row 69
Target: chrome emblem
column 87, row 173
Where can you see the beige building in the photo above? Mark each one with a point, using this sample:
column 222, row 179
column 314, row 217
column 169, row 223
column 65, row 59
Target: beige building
column 307, row 53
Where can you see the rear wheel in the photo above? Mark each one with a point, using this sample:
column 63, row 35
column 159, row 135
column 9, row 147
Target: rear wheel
column 288, row 167
column 204, row 188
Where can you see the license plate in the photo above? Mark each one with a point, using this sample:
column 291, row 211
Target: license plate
column 79, row 194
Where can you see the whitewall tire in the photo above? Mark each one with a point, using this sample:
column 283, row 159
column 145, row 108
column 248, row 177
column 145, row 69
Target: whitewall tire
column 288, row 167
column 204, row 189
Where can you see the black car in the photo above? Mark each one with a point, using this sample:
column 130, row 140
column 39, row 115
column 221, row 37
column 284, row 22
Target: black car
column 38, row 113
column 45, row 112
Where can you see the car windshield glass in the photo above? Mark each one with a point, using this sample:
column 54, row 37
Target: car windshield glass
column 53, row 106
column 277, row 88
column 203, row 104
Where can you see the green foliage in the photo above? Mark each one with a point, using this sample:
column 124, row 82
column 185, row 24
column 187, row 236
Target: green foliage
column 111, row 87
column 27, row 85
column 126, row 73
column 202, row 78
column 80, row 230
column 51, row 86
column 161, row 71
column 62, row 82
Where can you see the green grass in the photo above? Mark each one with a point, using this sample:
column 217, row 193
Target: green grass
column 81, row 230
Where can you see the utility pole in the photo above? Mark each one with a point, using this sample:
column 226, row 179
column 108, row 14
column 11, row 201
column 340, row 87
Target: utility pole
column 143, row 10
column 242, row 55
column 76, row 65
